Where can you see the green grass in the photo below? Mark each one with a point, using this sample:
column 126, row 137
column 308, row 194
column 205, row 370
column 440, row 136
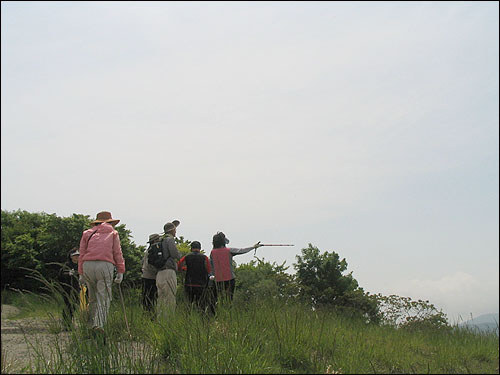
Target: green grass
column 32, row 305
column 259, row 337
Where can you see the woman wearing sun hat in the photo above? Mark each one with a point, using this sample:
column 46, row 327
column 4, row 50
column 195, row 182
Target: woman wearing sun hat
column 100, row 253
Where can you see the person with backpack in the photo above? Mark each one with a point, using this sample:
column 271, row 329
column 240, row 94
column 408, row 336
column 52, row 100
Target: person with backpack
column 68, row 278
column 198, row 270
column 100, row 253
column 221, row 260
column 166, row 278
column 149, row 289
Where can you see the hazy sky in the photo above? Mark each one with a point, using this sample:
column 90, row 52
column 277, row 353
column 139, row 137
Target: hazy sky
column 370, row 129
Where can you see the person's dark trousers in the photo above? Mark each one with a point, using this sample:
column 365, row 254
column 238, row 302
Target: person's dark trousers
column 196, row 295
column 210, row 297
column 224, row 289
column 68, row 309
column 149, row 294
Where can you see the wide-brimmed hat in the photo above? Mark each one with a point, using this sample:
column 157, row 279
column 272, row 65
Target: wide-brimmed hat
column 105, row 217
column 169, row 226
column 155, row 237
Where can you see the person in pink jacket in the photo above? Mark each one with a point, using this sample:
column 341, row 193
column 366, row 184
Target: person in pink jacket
column 100, row 253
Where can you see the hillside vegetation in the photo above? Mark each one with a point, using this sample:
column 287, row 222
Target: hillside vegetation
column 262, row 337
column 317, row 320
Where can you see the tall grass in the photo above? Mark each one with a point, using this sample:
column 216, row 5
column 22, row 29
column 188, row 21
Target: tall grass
column 261, row 337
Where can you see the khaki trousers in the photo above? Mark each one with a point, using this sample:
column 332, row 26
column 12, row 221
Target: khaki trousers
column 166, row 282
column 98, row 275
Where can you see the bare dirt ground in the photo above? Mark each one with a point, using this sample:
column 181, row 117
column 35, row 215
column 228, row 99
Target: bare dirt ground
column 23, row 339
column 29, row 342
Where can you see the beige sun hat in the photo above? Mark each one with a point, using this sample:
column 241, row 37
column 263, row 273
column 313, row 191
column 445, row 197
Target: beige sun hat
column 155, row 237
column 105, row 217
column 169, row 226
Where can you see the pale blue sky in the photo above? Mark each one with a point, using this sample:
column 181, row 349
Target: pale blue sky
column 368, row 128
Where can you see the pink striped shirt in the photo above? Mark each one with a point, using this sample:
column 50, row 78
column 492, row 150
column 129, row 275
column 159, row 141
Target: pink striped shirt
column 104, row 244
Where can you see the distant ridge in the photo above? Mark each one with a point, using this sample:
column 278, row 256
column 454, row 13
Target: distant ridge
column 483, row 323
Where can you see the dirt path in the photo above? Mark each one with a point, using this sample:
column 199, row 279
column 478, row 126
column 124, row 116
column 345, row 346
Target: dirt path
column 21, row 338
column 26, row 340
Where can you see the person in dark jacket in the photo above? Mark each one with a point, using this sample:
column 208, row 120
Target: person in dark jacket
column 149, row 289
column 68, row 277
column 198, row 269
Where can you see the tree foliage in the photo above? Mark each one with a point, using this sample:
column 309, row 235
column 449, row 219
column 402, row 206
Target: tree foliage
column 404, row 312
column 323, row 283
column 132, row 255
column 259, row 279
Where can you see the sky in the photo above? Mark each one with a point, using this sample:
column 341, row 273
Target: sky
column 366, row 128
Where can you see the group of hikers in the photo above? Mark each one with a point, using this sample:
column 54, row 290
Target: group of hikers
column 91, row 267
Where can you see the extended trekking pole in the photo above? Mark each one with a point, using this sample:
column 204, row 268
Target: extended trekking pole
column 124, row 313
column 278, row 244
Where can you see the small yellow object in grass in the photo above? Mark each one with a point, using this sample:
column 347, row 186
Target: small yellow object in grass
column 84, row 306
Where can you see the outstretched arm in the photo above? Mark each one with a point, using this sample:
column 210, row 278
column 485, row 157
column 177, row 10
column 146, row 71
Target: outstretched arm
column 236, row 251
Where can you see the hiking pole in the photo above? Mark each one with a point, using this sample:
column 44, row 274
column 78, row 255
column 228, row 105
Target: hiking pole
column 278, row 244
column 124, row 313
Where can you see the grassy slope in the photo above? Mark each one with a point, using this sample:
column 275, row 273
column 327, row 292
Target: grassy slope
column 261, row 338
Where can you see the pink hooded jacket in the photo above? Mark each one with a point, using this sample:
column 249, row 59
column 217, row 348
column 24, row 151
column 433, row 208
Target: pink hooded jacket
column 104, row 244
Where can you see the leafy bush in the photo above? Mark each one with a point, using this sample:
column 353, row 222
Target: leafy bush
column 403, row 312
column 261, row 280
column 322, row 282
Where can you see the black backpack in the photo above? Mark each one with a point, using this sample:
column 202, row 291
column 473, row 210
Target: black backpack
column 155, row 255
